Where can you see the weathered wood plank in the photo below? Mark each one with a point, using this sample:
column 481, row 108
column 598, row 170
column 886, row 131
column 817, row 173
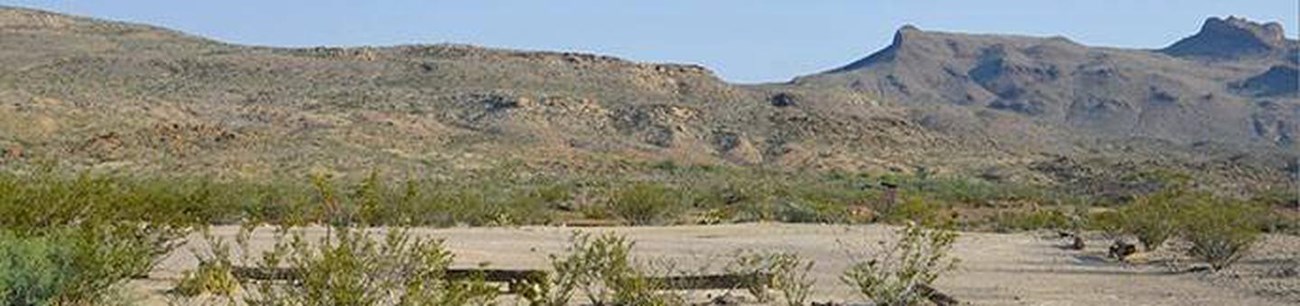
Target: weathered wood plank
column 487, row 275
column 713, row 281
column 677, row 282
column 936, row 297
column 266, row 274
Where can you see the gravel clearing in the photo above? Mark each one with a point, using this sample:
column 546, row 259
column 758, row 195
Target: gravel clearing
column 995, row 269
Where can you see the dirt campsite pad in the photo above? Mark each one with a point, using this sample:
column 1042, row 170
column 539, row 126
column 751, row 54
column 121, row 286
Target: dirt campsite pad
column 994, row 269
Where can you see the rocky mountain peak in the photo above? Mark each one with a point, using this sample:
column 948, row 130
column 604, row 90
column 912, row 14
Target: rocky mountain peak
column 1229, row 38
column 906, row 37
column 1271, row 32
column 905, row 33
column 913, row 38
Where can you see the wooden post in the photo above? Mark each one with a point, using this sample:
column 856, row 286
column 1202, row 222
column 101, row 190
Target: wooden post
column 891, row 194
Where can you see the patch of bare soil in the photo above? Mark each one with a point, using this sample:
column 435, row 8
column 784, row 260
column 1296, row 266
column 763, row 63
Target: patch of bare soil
column 995, row 269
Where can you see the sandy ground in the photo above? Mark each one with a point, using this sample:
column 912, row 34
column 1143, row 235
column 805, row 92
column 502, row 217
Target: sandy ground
column 995, row 269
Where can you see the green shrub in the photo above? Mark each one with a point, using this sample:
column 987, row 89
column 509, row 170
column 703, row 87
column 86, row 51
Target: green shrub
column 1221, row 233
column 214, row 275
column 892, row 277
column 1153, row 219
column 450, row 204
column 349, row 267
column 77, row 265
column 208, row 278
column 918, row 210
column 33, row 271
column 646, row 204
column 601, row 268
column 1109, row 223
column 812, row 211
column 92, row 232
column 789, row 275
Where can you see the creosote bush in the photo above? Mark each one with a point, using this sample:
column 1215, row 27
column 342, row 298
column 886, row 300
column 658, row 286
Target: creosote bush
column 647, row 203
column 1153, row 219
column 75, row 266
column 602, row 269
column 351, row 267
column 76, row 241
column 789, row 275
column 918, row 257
column 1110, row 223
column 215, row 272
column 32, row 270
column 918, row 210
column 1221, row 233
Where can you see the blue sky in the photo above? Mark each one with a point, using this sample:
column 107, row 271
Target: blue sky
column 742, row 40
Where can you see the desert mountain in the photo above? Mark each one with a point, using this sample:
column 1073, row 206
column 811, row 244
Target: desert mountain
column 106, row 95
column 1232, row 83
column 125, row 96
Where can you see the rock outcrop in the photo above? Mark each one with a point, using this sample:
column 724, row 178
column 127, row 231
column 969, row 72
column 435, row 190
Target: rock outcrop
column 1234, row 38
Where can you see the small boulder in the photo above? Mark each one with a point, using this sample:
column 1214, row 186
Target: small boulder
column 1077, row 243
column 1121, row 249
column 726, row 299
column 783, row 100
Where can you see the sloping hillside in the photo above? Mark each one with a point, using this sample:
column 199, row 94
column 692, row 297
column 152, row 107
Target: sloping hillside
column 86, row 93
column 1223, row 85
column 102, row 94
column 1231, row 86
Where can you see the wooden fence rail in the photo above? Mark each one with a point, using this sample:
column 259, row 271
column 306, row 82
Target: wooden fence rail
column 676, row 282
column 506, row 276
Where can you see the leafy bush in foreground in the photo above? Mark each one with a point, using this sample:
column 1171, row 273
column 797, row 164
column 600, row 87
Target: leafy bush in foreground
column 894, row 276
column 75, row 266
column 77, row 240
column 789, row 275
column 215, row 272
column 601, row 267
column 350, row 267
column 32, row 270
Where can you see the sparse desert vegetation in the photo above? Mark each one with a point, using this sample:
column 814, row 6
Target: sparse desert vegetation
column 113, row 228
column 140, row 165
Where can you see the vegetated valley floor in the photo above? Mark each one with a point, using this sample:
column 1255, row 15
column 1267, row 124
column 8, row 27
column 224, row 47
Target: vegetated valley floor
column 995, row 269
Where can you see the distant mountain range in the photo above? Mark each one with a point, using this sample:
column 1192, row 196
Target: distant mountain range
column 1234, row 82
column 95, row 94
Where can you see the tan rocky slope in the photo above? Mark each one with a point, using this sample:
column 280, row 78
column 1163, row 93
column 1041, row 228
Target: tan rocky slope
column 90, row 93
column 1234, row 82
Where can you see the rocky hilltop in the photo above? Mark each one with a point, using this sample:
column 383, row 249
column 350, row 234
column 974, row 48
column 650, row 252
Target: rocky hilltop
column 95, row 94
column 1234, row 39
column 1231, row 85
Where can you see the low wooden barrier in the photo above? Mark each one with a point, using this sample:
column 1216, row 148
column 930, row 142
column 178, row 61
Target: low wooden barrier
column 506, row 276
column 678, row 282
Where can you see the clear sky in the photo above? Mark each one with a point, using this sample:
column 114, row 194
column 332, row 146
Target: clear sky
column 742, row 40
